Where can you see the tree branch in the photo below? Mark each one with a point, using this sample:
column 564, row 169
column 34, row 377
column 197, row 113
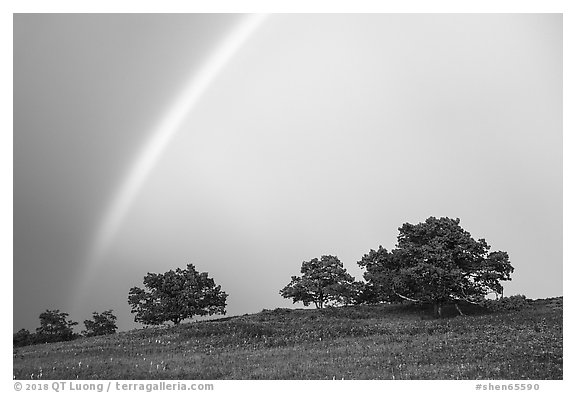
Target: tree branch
column 404, row 297
column 465, row 299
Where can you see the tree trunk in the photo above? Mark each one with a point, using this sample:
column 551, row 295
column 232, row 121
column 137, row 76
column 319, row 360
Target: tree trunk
column 438, row 310
column 458, row 308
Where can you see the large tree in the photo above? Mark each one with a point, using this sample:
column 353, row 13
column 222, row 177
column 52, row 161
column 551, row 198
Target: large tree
column 323, row 281
column 435, row 262
column 175, row 296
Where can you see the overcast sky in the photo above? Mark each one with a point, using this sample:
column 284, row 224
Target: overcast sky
column 319, row 134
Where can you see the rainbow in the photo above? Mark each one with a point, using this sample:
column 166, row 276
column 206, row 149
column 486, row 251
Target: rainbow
column 161, row 135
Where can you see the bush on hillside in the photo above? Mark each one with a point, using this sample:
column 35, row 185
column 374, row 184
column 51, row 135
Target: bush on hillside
column 101, row 324
column 511, row 303
column 22, row 338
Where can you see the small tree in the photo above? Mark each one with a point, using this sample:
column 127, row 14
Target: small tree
column 175, row 296
column 101, row 324
column 322, row 282
column 22, row 337
column 54, row 327
column 436, row 262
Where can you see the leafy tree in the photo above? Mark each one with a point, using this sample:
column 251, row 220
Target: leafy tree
column 101, row 324
column 351, row 293
column 175, row 296
column 22, row 337
column 54, row 327
column 435, row 262
column 323, row 281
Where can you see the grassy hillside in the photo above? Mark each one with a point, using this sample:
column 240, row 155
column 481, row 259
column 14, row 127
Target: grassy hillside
column 356, row 342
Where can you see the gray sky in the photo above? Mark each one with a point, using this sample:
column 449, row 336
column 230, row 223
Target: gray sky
column 322, row 134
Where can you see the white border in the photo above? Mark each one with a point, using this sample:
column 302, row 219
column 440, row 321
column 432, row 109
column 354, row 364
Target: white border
column 305, row 6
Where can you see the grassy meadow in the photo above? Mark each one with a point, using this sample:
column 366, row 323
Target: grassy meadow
column 352, row 342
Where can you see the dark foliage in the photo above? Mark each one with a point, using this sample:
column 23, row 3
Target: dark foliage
column 511, row 303
column 435, row 262
column 55, row 327
column 22, row 338
column 323, row 282
column 101, row 324
column 175, row 296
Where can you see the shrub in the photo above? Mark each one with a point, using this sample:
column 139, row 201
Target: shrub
column 101, row 324
column 511, row 303
column 22, row 337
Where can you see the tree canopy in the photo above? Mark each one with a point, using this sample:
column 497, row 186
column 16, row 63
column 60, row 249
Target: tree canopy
column 54, row 327
column 22, row 338
column 435, row 262
column 175, row 296
column 101, row 324
column 323, row 281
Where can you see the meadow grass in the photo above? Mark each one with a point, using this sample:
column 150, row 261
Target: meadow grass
column 353, row 342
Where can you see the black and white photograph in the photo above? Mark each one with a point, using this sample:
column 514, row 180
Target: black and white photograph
column 287, row 196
